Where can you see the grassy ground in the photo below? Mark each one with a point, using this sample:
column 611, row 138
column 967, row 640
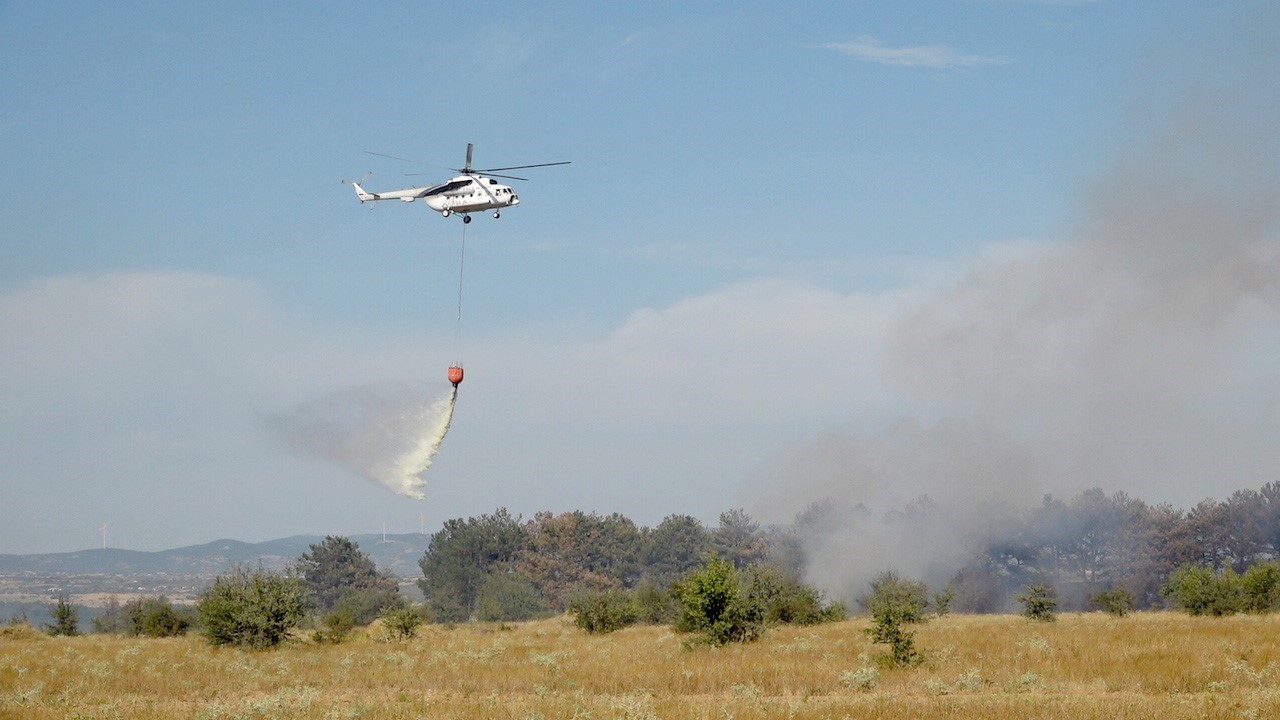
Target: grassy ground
column 1149, row 665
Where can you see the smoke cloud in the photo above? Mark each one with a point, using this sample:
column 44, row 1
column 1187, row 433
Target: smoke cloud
column 1140, row 355
column 382, row 433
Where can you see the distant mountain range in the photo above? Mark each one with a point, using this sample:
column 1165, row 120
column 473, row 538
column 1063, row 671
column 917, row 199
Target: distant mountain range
column 397, row 554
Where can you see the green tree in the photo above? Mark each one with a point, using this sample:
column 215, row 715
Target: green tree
column 1039, row 602
column 1200, row 591
column 892, row 596
column 1261, row 587
column 337, row 567
column 462, row 556
column 251, row 609
column 66, row 618
column 677, row 546
column 507, row 596
column 712, row 601
column 739, row 539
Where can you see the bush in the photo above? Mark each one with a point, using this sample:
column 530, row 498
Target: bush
column 66, row 619
column 1261, row 587
column 111, row 620
column 156, row 617
column 1116, row 601
column 1039, row 602
column 146, row 616
column 400, row 623
column 655, row 604
column 1199, row 591
column 942, row 601
column 604, row 611
column 711, row 601
column 250, row 609
column 336, row 626
column 505, row 596
column 787, row 601
column 894, row 602
column 905, row 600
column 365, row 604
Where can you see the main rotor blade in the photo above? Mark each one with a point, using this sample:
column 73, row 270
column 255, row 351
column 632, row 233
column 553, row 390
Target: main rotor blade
column 393, row 157
column 506, row 177
column 521, row 167
column 486, row 173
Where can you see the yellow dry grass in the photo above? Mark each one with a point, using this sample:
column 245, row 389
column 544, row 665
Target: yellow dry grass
column 1149, row 665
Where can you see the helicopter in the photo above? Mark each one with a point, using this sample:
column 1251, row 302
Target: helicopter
column 474, row 190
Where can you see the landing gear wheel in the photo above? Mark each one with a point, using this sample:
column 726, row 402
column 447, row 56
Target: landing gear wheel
column 496, row 214
column 466, row 219
column 446, row 213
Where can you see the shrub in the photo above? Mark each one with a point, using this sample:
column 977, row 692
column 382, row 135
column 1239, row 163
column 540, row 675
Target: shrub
column 788, row 601
column 1261, row 587
column 149, row 616
column 894, row 602
column 505, row 596
column 891, row 596
column 1039, row 602
column 1199, row 591
column 156, row 617
column 365, row 604
column 250, row 609
column 655, row 604
column 66, row 619
column 712, row 602
column 400, row 623
column 111, row 620
column 1116, row 601
column 604, row 611
column 336, row 626
column 942, row 601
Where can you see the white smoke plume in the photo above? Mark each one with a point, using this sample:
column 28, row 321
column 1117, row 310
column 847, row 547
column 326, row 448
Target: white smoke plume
column 1139, row 355
column 382, row 433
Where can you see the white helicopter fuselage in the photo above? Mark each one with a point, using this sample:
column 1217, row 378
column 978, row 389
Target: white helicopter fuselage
column 463, row 194
column 479, row 194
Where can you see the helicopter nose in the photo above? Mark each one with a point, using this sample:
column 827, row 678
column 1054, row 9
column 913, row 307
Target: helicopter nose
column 515, row 199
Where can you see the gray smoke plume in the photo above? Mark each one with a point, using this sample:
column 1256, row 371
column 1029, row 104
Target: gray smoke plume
column 1141, row 355
column 384, row 433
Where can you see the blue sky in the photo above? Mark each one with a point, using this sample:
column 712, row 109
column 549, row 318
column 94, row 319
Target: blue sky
column 766, row 204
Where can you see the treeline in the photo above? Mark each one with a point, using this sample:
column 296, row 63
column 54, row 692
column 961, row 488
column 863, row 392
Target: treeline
column 497, row 567
column 1095, row 551
column 1097, row 542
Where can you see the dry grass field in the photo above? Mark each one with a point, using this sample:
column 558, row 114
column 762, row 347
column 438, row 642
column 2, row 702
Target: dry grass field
column 1149, row 665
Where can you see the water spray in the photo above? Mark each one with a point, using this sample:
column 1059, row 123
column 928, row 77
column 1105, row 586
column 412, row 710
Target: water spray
column 403, row 474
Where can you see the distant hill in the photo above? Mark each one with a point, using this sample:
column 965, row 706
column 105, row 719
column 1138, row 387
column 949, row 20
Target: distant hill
column 398, row 555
